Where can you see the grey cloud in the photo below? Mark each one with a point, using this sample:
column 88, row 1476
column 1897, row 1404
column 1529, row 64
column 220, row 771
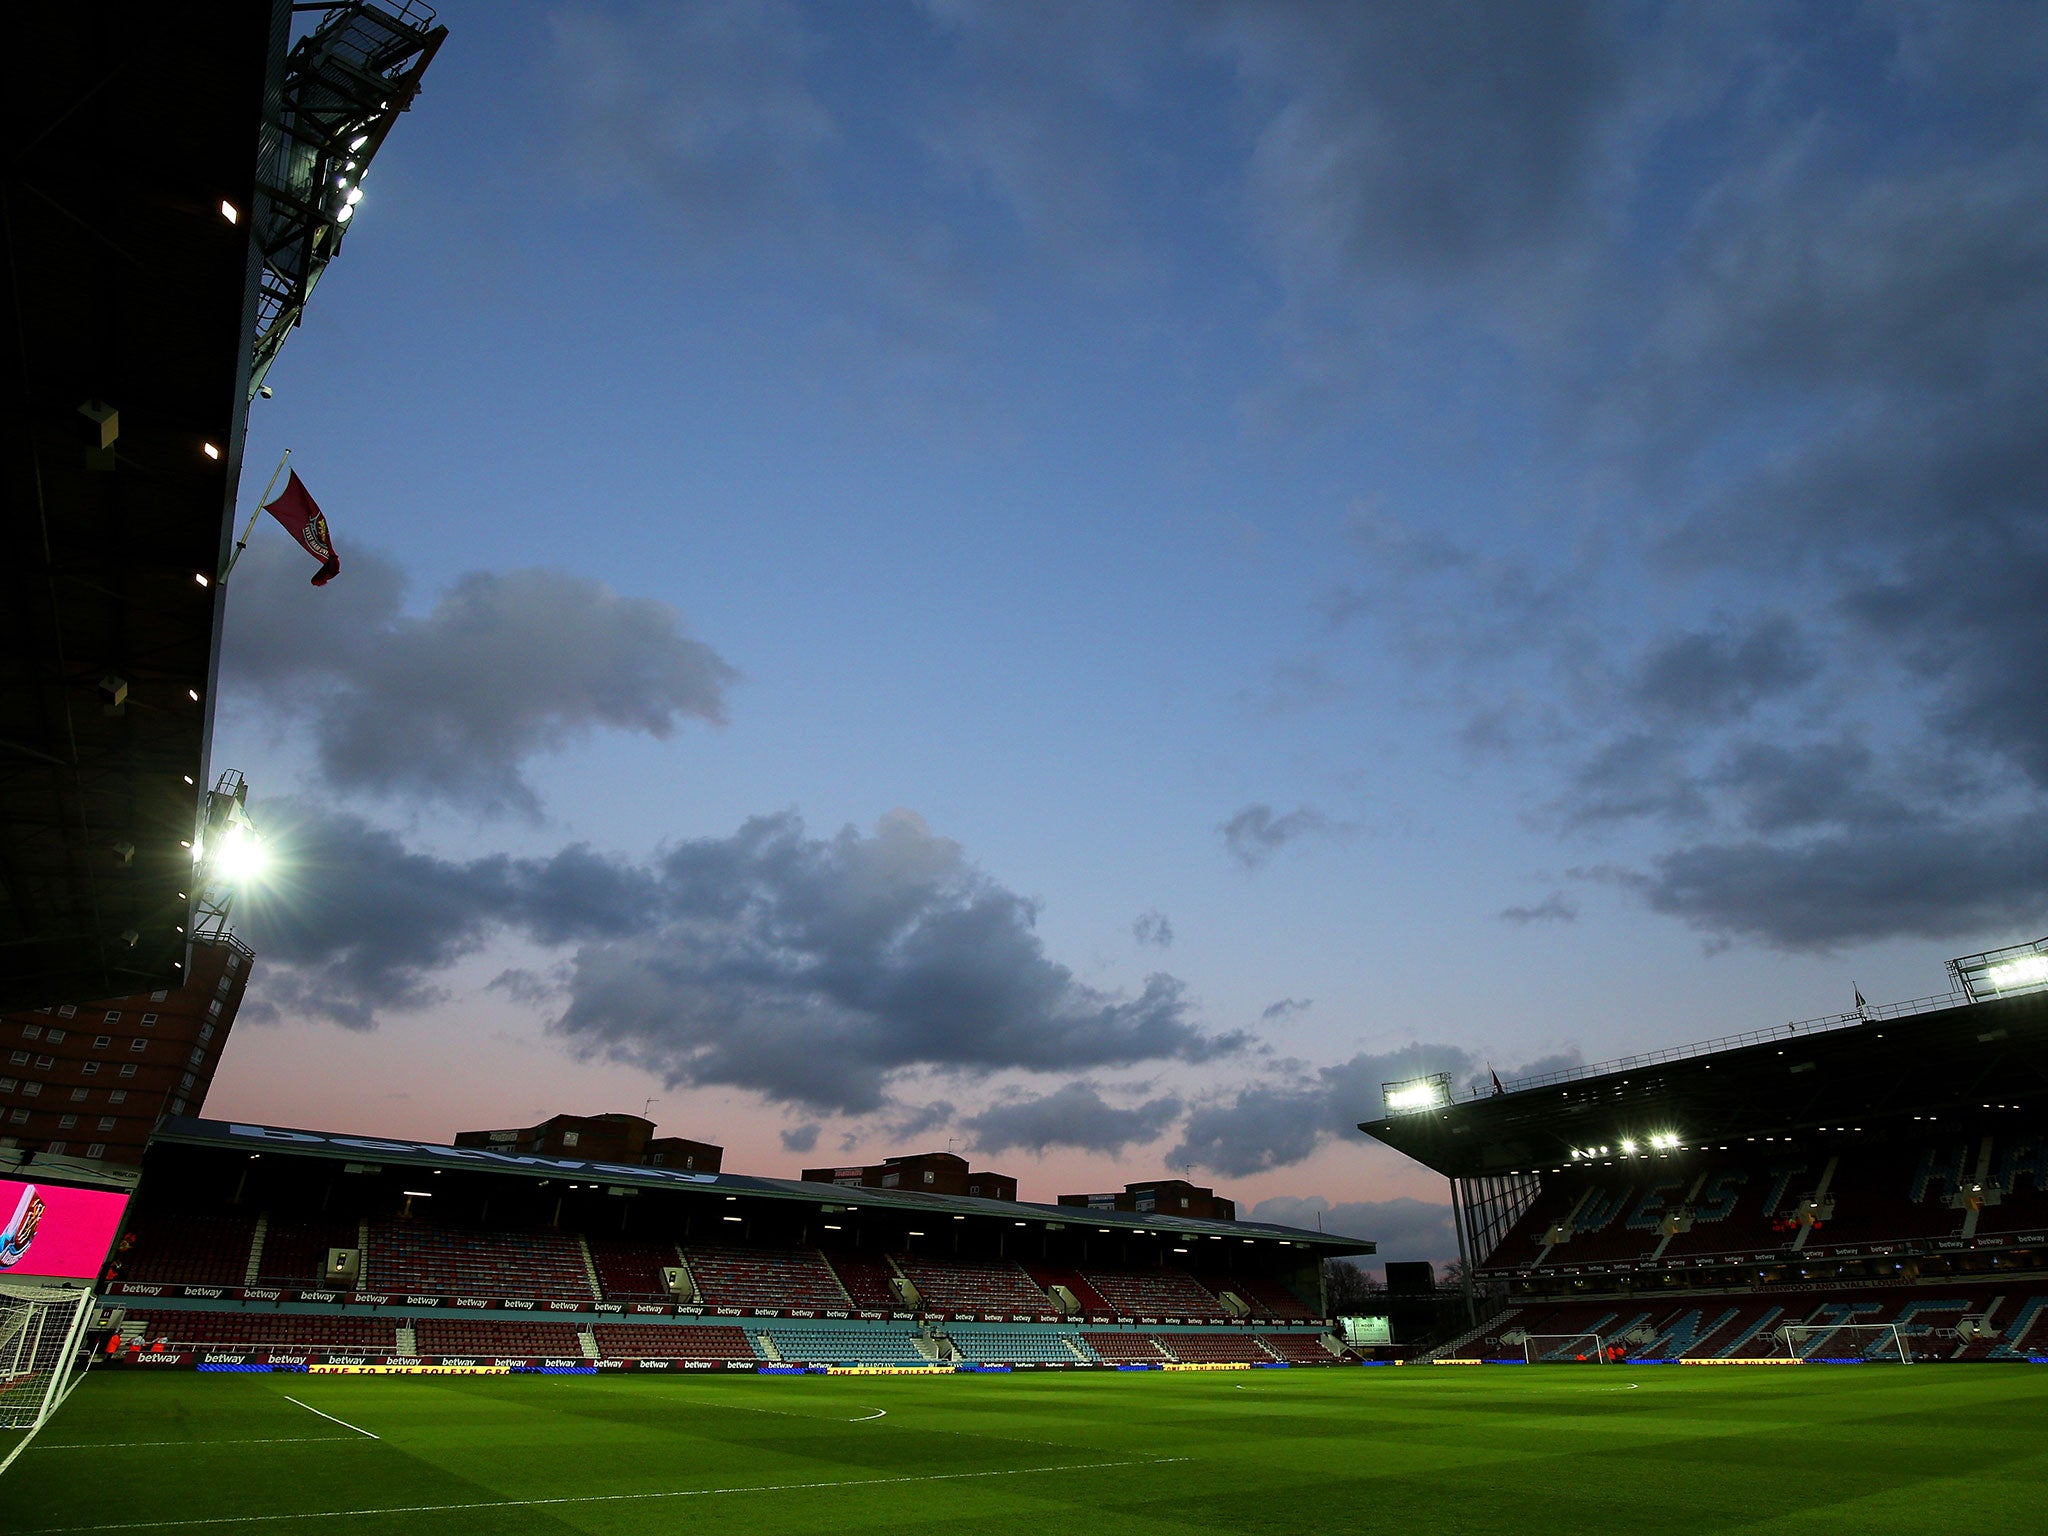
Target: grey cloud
column 1275, row 1124
column 1073, row 1115
column 1711, row 675
column 526, row 986
column 1944, row 879
column 449, row 706
column 1554, row 908
column 1402, row 1230
column 1429, row 136
column 812, row 969
column 1153, row 928
column 921, row 1120
column 1287, row 1007
column 351, row 923
column 799, row 1138
column 1256, row 833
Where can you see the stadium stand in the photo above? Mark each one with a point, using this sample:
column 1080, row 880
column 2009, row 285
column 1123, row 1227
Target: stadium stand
column 310, row 1332
column 1297, row 1348
column 1219, row 1348
column 1154, row 1292
column 668, row 1341
column 295, row 1249
column 441, row 1261
column 997, row 1344
column 1266, row 1298
column 765, row 1277
column 1116, row 1347
column 866, row 1280
column 820, row 1343
column 949, row 1285
column 1090, row 1299
column 464, row 1336
column 191, row 1248
column 630, row 1269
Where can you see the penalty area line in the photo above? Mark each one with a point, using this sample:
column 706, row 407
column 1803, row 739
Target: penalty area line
column 330, row 1418
column 594, row 1498
column 192, row 1445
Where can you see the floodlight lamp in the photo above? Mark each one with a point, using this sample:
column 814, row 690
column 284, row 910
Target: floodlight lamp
column 1419, row 1093
column 1628, row 1147
column 2025, row 971
column 358, row 142
column 344, row 213
column 355, row 195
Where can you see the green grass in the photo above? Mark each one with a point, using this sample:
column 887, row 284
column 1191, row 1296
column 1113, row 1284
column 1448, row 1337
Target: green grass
column 1658, row 1450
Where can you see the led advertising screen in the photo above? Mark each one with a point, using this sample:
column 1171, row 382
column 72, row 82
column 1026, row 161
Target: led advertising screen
column 56, row 1231
column 1366, row 1332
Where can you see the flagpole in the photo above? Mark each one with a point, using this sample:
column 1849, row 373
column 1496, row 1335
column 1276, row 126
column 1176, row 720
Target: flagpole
column 250, row 527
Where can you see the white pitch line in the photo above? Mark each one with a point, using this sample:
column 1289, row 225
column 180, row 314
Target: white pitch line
column 594, row 1498
column 330, row 1418
column 879, row 1413
column 193, row 1445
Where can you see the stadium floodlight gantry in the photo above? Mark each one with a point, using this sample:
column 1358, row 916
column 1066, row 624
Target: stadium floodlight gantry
column 1843, row 1341
column 1901, row 1145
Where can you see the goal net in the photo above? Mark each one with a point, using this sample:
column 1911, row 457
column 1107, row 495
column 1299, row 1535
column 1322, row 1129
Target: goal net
column 1844, row 1341
column 41, row 1339
column 1565, row 1348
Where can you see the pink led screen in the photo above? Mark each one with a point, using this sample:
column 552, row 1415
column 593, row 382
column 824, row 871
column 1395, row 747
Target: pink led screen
column 53, row 1230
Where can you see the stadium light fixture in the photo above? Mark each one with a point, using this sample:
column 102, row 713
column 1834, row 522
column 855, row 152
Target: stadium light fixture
column 209, row 450
column 1628, row 1146
column 1420, row 1093
column 230, row 212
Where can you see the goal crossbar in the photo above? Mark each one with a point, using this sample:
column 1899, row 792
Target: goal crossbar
column 41, row 1342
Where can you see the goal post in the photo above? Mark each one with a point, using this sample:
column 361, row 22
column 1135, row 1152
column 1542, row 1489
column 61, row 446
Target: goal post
column 42, row 1336
column 1842, row 1341
column 1564, row 1349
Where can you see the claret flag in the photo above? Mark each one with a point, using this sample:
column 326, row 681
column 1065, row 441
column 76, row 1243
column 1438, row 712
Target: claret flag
column 304, row 521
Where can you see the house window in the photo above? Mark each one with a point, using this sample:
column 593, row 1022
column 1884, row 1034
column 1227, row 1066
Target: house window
column 44, row 1063
column 8, row 1085
column 138, row 1044
column 930, row 1177
column 32, row 1090
column 206, row 1031
column 97, row 1149
column 55, row 1037
column 127, row 1069
column 187, row 1080
column 569, row 1138
column 65, row 1122
column 149, row 1021
column 66, row 1011
column 19, row 1117
column 177, row 1106
column 118, row 1096
column 234, row 962
column 31, row 1031
column 159, row 994
column 101, row 1042
column 106, row 1122
column 56, row 1146
column 197, row 1056
column 78, row 1095
column 113, row 1015
column 90, row 1069
column 213, row 1008
column 19, row 1058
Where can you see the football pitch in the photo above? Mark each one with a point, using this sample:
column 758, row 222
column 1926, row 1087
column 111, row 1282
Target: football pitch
column 1663, row 1450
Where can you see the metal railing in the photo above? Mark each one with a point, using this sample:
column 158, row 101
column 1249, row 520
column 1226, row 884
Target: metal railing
column 1799, row 1029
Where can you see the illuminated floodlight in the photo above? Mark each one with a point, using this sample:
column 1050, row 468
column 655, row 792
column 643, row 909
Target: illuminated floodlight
column 240, row 856
column 1663, row 1141
column 1628, row 1146
column 2020, row 968
column 1419, row 1093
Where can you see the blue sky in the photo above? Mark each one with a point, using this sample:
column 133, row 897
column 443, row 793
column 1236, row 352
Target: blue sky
column 1088, row 581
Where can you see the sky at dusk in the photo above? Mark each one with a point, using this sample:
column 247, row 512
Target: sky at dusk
column 1089, row 582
